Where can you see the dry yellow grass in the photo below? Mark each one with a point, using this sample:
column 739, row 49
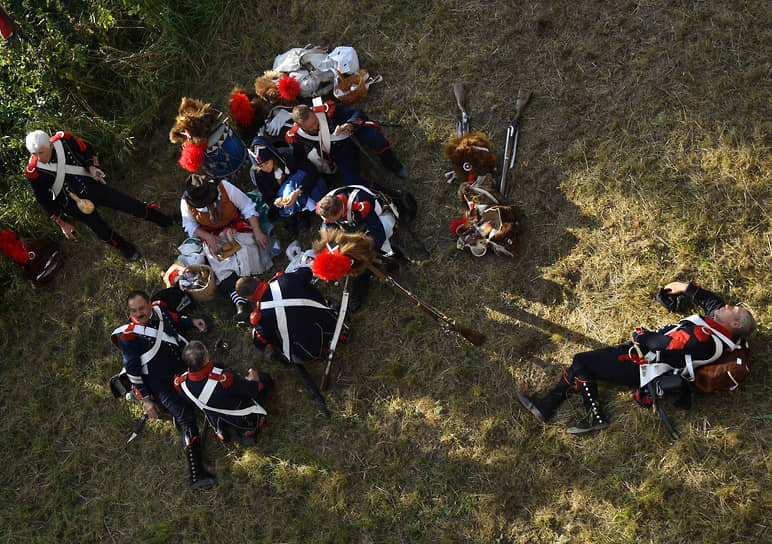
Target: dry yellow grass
column 643, row 158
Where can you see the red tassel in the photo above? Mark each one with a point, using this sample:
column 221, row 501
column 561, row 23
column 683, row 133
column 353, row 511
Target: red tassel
column 331, row 266
column 241, row 110
column 456, row 224
column 192, row 156
column 289, row 87
column 13, row 247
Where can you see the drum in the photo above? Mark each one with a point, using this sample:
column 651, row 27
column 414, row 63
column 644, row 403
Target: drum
column 225, row 152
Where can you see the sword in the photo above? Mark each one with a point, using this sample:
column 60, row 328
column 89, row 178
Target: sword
column 138, row 428
column 334, row 342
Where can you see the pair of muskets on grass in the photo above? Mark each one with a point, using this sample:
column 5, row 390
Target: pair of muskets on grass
column 342, row 254
column 513, row 130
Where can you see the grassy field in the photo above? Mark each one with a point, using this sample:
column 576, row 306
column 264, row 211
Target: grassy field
column 643, row 158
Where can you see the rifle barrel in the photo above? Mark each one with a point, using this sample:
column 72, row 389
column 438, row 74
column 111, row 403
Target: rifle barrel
column 472, row 336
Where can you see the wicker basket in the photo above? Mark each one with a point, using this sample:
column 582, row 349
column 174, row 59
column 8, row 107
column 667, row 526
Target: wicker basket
column 351, row 89
column 209, row 290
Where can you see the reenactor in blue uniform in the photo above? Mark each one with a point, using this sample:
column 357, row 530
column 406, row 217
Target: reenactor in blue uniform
column 359, row 209
column 232, row 404
column 293, row 319
column 694, row 340
column 151, row 344
column 66, row 180
column 326, row 129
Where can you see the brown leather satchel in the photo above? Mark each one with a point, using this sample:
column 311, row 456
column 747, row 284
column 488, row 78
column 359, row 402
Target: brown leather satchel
column 728, row 372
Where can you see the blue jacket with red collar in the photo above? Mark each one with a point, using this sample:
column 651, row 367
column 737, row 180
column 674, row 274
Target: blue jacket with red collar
column 363, row 214
column 676, row 341
column 138, row 341
column 231, row 392
column 337, row 114
column 77, row 153
column 310, row 323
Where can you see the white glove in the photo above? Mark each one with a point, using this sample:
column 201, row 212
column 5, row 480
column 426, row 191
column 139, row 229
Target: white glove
column 278, row 120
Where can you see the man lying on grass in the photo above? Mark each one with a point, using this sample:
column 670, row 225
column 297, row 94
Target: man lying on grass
column 690, row 339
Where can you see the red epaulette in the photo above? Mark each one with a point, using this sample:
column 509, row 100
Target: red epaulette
column 128, row 334
column 67, row 136
column 330, row 108
column 292, row 134
column 179, row 380
column 701, row 333
column 362, row 207
column 225, row 379
column 32, row 168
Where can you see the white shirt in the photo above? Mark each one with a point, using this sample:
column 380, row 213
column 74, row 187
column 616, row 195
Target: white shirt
column 236, row 195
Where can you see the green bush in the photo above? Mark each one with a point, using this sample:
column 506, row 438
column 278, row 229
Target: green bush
column 97, row 69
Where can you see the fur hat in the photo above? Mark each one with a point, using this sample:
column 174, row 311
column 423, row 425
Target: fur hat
column 200, row 191
column 195, row 122
column 471, row 156
column 267, row 88
column 342, row 253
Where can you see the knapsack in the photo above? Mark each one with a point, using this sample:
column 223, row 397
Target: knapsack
column 728, row 373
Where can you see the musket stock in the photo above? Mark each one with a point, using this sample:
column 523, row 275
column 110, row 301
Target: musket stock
column 464, row 125
column 448, row 324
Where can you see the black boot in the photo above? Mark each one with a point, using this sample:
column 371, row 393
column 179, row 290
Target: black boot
column 293, row 226
column 391, row 162
column 200, row 477
column 126, row 248
column 159, row 218
column 359, row 289
column 407, row 206
column 304, row 220
column 243, row 306
column 242, row 312
column 543, row 409
column 595, row 419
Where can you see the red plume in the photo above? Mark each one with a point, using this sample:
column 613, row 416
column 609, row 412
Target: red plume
column 192, row 156
column 331, row 265
column 13, row 247
column 289, row 88
column 456, row 224
column 241, row 110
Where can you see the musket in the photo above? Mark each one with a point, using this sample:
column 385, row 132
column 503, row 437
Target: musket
column 334, row 342
column 404, row 225
column 445, row 322
column 513, row 130
column 464, row 126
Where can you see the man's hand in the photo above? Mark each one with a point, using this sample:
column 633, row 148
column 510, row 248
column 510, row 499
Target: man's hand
column 199, row 323
column 345, row 128
column 151, row 408
column 210, row 240
column 676, row 287
column 261, row 239
column 68, row 230
column 96, row 173
column 252, row 375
